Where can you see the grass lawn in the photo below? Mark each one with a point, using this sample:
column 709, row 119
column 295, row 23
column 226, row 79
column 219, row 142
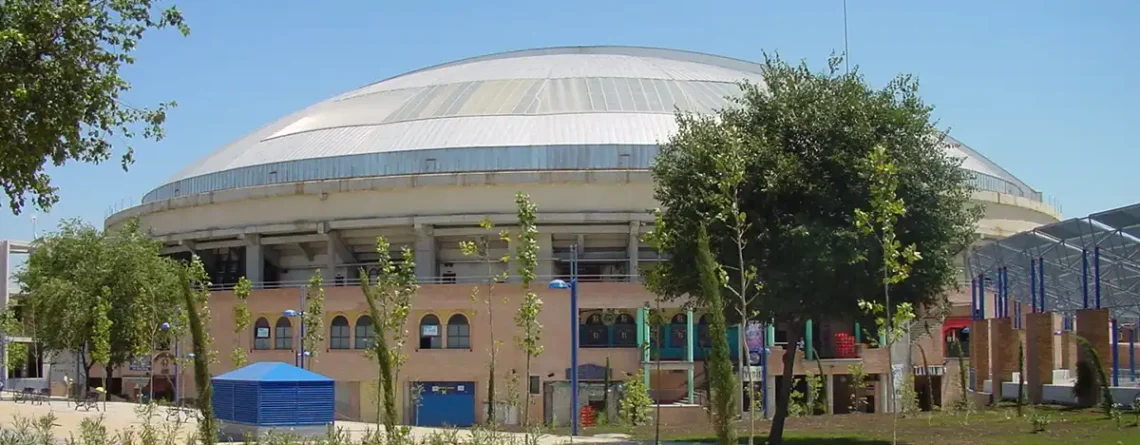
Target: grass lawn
column 994, row 426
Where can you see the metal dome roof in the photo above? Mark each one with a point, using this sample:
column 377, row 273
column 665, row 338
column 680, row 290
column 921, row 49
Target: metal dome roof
column 573, row 108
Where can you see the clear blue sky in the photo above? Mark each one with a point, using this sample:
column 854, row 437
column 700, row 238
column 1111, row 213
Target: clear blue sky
column 1044, row 88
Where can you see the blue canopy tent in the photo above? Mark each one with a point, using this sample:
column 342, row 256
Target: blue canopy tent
column 269, row 395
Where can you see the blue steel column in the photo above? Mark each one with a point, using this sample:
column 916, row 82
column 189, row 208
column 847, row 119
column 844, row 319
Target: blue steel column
column 1132, row 352
column 1033, row 284
column 1004, row 292
column 1115, row 353
column 301, row 356
column 1085, row 277
column 764, row 371
column 1041, row 280
column 574, row 342
column 1096, row 273
column 997, row 295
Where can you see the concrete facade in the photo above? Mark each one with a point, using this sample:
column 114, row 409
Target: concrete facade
column 305, row 194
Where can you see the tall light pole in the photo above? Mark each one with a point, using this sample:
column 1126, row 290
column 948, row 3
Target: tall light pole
column 300, row 359
column 573, row 286
column 164, row 327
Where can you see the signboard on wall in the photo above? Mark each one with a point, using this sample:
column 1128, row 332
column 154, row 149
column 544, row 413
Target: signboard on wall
column 140, row 364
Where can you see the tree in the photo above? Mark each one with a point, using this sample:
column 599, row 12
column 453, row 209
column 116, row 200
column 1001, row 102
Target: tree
column 242, row 318
column 719, row 362
column 724, row 206
column 68, row 272
column 313, row 317
column 633, row 409
column 389, row 303
column 526, row 318
column 101, row 340
column 195, row 295
column 480, row 249
column 61, row 90
column 12, row 325
column 802, row 137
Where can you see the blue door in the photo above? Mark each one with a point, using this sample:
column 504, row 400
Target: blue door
column 446, row 404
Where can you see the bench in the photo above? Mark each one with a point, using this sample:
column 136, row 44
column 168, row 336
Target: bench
column 89, row 400
column 182, row 411
column 26, row 395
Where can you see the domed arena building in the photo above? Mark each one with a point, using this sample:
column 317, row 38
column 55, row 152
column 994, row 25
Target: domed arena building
column 421, row 158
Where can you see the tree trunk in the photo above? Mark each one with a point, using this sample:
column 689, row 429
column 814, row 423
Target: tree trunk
column 784, row 389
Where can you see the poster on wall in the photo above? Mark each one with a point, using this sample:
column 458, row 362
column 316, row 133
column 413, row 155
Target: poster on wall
column 754, row 339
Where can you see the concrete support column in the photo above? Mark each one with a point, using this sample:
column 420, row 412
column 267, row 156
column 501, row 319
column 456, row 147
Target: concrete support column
column 690, row 339
column 980, row 353
column 770, row 394
column 254, row 260
column 338, row 254
column 1093, row 325
column 1039, row 354
column 1005, row 347
column 633, row 250
column 426, row 254
column 332, row 258
column 545, row 270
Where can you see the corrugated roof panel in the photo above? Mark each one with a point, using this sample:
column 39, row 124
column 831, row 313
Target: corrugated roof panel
column 552, row 97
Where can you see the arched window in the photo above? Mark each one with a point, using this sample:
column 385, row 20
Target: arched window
column 458, row 332
column 593, row 333
column 365, row 336
column 283, row 334
column 261, row 334
column 429, row 333
column 678, row 330
column 338, row 333
column 703, row 332
column 625, row 330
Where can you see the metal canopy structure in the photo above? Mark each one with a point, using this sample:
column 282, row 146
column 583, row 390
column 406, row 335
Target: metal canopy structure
column 1090, row 262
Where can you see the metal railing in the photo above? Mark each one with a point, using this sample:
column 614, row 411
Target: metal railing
column 539, row 282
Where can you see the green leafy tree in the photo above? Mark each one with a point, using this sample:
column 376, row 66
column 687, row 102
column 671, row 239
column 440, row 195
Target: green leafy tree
column 195, row 316
column 389, row 304
column 101, row 340
column 313, row 317
column 61, row 89
column 529, row 338
column 242, row 319
column 13, row 326
column 480, row 249
column 68, row 271
column 804, row 137
column 719, row 368
column 633, row 408
column 886, row 207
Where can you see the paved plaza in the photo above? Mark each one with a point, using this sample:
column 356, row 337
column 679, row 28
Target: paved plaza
column 119, row 416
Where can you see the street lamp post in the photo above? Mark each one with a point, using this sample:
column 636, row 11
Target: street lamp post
column 300, row 359
column 164, row 327
column 573, row 286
